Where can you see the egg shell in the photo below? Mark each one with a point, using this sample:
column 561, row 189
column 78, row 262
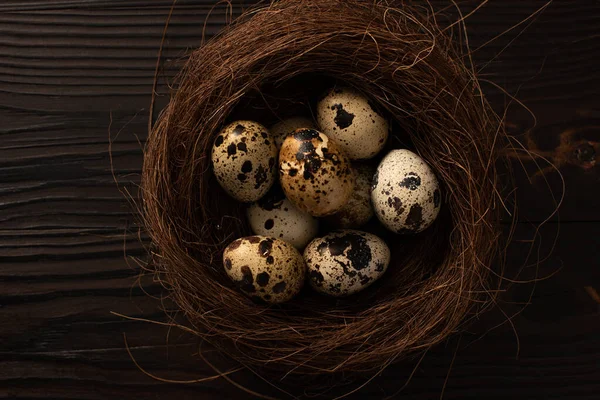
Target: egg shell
column 244, row 160
column 275, row 216
column 345, row 262
column 266, row 269
column 405, row 192
column 314, row 174
column 358, row 210
column 280, row 130
column 352, row 121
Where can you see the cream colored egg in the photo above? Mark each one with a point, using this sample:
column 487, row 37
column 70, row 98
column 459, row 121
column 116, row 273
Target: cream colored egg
column 350, row 119
column 264, row 268
column 345, row 262
column 405, row 192
column 314, row 174
column 275, row 216
column 358, row 210
column 280, row 130
column 244, row 160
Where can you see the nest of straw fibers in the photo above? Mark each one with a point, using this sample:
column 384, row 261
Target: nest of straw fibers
column 404, row 61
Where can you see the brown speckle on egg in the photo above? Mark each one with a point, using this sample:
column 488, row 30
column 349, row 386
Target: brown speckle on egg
column 262, row 279
column 343, row 119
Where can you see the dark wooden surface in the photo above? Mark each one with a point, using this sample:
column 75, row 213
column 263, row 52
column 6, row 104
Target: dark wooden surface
column 73, row 72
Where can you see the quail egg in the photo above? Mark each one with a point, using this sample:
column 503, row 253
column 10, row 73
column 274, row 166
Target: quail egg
column 265, row 268
column 314, row 174
column 244, row 160
column 353, row 122
column 275, row 216
column 345, row 262
column 405, row 192
column 358, row 210
column 283, row 128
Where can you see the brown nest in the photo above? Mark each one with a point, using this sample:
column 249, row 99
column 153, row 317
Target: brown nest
column 404, row 61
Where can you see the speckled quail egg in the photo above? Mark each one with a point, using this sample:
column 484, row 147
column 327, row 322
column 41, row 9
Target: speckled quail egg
column 352, row 121
column 265, row 268
column 345, row 262
column 358, row 210
column 275, row 216
column 405, row 192
column 244, row 160
column 280, row 130
column 314, row 174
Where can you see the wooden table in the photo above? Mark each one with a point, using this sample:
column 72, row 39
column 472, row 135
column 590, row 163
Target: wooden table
column 76, row 75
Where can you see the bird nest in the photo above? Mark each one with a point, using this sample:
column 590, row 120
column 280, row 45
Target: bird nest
column 289, row 49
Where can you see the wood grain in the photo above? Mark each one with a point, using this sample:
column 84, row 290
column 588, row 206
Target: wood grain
column 75, row 72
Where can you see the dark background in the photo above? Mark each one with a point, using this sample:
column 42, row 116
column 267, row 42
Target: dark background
column 75, row 72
